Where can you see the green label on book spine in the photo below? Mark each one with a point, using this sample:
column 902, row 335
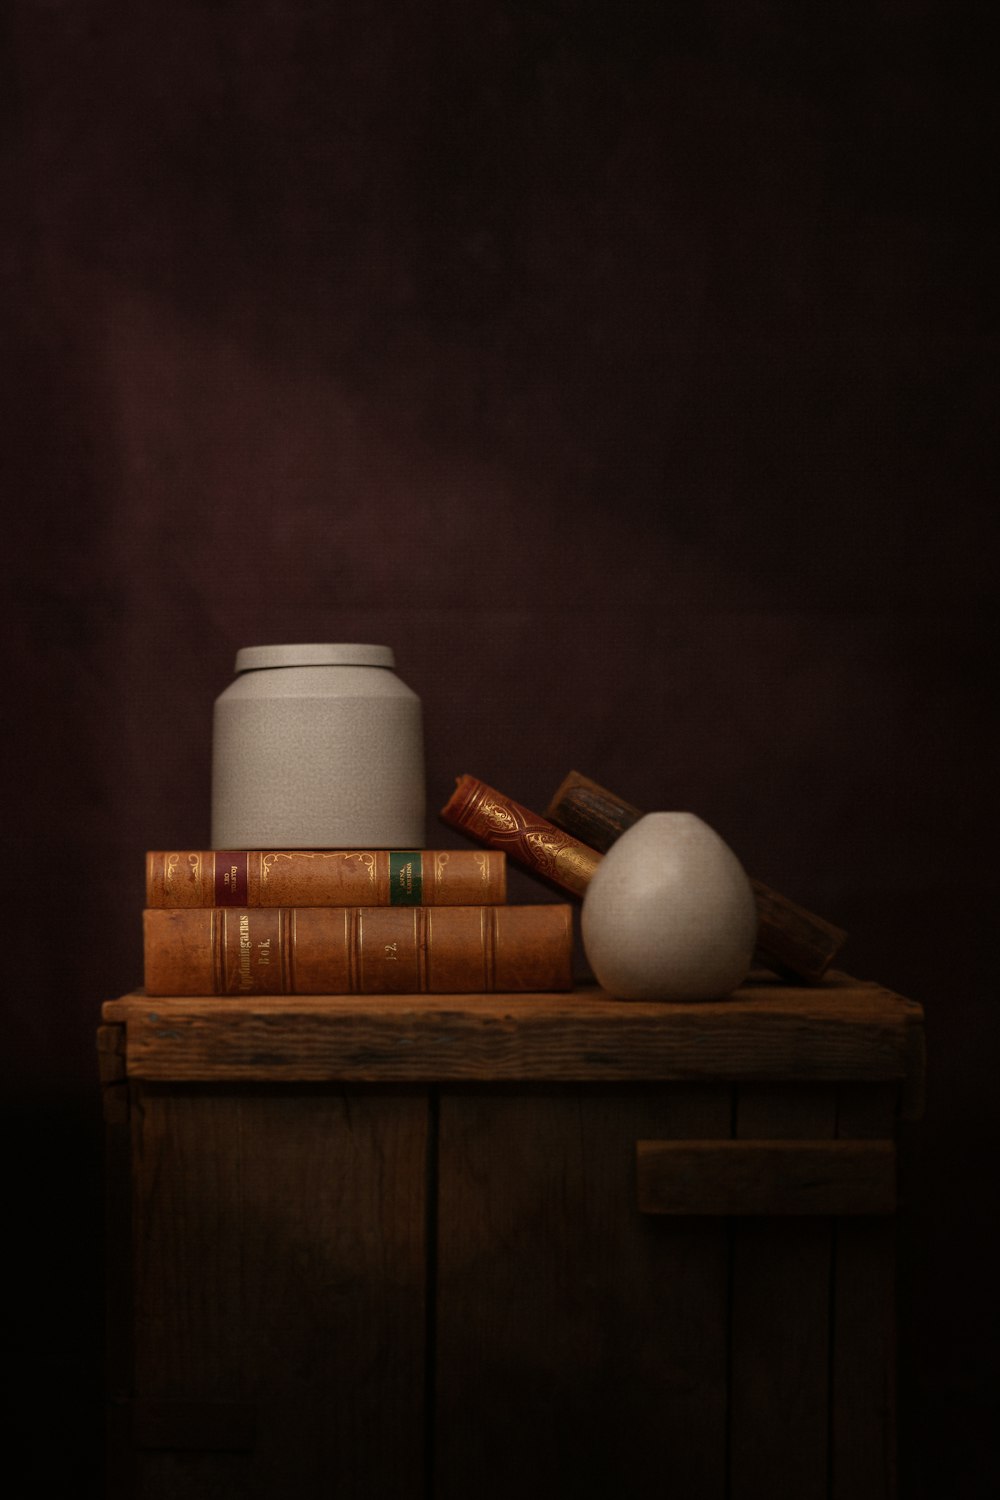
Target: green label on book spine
column 406, row 877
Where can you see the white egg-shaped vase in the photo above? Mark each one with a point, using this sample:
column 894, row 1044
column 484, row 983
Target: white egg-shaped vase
column 669, row 914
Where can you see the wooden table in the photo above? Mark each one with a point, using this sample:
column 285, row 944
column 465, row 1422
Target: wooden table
column 470, row 1246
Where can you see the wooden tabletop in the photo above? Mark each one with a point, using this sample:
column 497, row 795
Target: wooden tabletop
column 844, row 1029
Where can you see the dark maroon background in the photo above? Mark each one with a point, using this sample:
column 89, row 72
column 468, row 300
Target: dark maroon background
column 622, row 366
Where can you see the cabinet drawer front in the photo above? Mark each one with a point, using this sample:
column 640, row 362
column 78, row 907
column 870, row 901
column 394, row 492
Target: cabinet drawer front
column 766, row 1177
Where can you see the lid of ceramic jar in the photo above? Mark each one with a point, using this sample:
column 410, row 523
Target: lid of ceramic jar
column 253, row 658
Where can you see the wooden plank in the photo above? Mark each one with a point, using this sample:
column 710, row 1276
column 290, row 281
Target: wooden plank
column 280, row 1254
column 111, row 1053
column 766, row 1177
column 581, row 1345
column 839, row 1031
column 115, row 1103
column 780, row 1318
column 863, row 1421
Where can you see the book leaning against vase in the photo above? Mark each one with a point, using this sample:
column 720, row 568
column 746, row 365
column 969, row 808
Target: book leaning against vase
column 325, row 877
column 367, row 950
column 789, row 937
column 567, row 844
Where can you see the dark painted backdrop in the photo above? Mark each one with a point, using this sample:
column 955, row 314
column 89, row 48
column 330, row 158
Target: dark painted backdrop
column 626, row 368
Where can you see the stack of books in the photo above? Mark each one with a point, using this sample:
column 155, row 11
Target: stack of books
column 346, row 921
column 412, row 921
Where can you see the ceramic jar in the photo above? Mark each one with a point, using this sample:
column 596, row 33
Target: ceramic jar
column 317, row 747
column 669, row 914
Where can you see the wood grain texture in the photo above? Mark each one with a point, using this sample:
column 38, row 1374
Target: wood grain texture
column 581, row 1346
column 115, row 1102
column 843, row 1029
column 766, row 1177
column 279, row 1291
column 111, row 1053
column 779, row 1386
column 294, row 1207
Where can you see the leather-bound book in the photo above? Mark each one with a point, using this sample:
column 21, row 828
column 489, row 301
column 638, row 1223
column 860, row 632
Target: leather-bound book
column 532, row 841
column 349, row 950
column 789, row 938
column 325, row 877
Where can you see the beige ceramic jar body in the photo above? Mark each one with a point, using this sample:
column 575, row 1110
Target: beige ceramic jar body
column 317, row 747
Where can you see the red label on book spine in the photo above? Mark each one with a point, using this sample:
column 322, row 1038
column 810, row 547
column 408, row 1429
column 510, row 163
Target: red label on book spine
column 230, row 877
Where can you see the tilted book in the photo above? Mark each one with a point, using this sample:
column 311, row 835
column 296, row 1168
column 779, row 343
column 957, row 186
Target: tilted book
column 503, row 824
column 351, row 950
column 325, row 877
column 788, row 936
column 583, row 821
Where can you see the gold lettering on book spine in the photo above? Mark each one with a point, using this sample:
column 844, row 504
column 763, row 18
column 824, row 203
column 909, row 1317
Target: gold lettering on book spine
column 246, row 977
column 363, row 858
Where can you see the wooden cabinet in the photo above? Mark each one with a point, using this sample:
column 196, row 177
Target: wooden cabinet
column 464, row 1247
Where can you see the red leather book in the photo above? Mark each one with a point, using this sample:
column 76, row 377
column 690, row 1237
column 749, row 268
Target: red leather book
column 345, row 950
column 503, row 824
column 325, row 877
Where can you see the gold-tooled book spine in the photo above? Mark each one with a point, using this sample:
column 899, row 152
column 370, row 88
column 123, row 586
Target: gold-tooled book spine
column 534, row 842
column 188, row 878
column 368, row 950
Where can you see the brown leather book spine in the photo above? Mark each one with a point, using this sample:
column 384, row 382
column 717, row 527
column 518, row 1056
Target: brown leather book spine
column 502, row 823
column 789, row 938
column 178, row 878
column 351, row 950
column 590, row 813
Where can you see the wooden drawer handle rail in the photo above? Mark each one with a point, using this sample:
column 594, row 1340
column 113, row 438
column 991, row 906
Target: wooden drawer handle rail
column 766, row 1177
